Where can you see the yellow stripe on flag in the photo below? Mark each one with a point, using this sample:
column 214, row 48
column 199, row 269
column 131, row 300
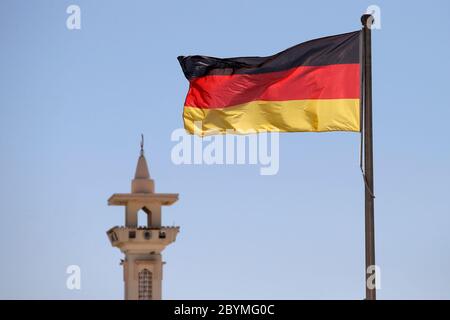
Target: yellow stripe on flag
column 316, row 115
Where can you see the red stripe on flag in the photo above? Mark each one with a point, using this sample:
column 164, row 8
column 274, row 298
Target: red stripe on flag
column 337, row 81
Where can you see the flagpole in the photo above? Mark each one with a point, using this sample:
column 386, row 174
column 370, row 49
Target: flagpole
column 367, row 21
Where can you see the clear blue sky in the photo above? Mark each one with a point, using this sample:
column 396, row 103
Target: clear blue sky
column 72, row 106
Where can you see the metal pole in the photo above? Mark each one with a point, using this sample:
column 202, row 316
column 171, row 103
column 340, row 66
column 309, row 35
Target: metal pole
column 367, row 21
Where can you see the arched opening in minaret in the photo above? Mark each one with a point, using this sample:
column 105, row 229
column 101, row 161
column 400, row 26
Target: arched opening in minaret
column 144, row 217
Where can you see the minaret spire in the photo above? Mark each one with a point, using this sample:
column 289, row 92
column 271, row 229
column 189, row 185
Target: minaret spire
column 142, row 183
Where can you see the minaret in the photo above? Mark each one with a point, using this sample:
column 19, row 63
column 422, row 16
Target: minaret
column 142, row 245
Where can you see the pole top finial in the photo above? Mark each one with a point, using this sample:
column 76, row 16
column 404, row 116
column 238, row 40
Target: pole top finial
column 367, row 20
column 142, row 144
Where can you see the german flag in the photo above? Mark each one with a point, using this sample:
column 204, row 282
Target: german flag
column 313, row 86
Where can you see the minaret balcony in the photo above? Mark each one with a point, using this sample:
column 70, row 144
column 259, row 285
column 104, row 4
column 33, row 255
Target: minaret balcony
column 142, row 237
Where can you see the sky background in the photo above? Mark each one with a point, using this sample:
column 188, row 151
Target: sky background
column 74, row 103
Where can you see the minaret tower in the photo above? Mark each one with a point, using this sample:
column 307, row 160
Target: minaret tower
column 142, row 245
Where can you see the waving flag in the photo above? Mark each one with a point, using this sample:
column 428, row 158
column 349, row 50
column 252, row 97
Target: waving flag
column 313, row 86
